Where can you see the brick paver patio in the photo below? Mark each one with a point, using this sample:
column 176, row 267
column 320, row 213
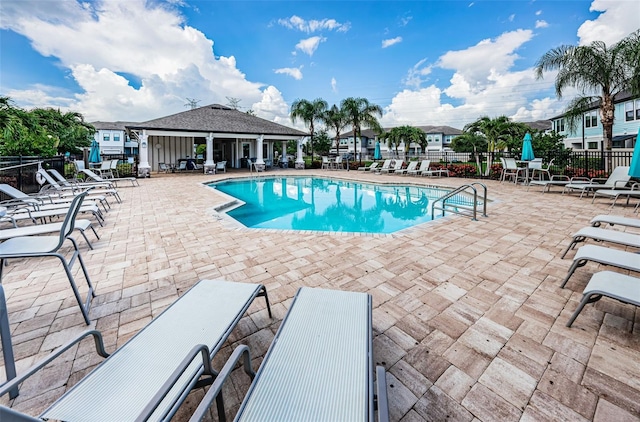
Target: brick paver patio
column 468, row 318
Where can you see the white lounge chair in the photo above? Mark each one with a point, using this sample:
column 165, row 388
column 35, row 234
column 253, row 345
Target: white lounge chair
column 81, row 225
column 385, row 166
column 134, row 382
column 603, row 235
column 556, row 180
column 617, row 180
column 424, row 166
column 93, row 176
column 609, row 284
column 396, row 166
column 605, row 256
column 372, row 166
column 612, row 220
column 79, row 184
column 411, row 167
column 614, row 194
column 55, row 187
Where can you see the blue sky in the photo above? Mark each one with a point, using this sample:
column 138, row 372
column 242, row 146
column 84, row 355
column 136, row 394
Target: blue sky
column 423, row 62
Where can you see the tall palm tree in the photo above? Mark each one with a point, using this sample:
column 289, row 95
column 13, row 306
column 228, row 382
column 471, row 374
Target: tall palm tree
column 336, row 120
column 496, row 131
column 309, row 112
column 595, row 68
column 361, row 113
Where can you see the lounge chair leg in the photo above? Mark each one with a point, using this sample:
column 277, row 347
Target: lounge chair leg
column 86, row 239
column 263, row 292
column 585, row 299
column 572, row 244
column 222, row 417
column 574, row 266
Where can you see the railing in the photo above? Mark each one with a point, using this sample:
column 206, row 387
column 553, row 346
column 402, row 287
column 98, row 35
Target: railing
column 457, row 201
column 20, row 171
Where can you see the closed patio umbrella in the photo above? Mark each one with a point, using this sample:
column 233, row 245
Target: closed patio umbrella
column 377, row 155
column 94, row 152
column 527, row 149
column 634, row 168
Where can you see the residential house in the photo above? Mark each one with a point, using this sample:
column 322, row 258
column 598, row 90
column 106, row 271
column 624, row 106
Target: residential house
column 588, row 134
column 114, row 139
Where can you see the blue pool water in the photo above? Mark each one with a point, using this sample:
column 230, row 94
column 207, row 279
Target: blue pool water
column 312, row 203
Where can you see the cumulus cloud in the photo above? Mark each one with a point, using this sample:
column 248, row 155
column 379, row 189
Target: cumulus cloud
column 272, row 106
column 541, row 24
column 617, row 19
column 82, row 38
column 483, row 83
column 296, row 22
column 391, row 41
column 294, row 72
column 310, row 45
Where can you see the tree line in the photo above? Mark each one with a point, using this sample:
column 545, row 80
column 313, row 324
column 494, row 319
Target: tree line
column 41, row 132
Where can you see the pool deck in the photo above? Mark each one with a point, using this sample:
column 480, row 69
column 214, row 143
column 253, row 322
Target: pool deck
column 468, row 317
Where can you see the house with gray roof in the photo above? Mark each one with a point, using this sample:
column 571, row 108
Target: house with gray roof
column 229, row 135
column 114, row 139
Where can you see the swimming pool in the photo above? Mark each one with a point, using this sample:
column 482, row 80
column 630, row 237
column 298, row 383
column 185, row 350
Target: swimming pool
column 324, row 204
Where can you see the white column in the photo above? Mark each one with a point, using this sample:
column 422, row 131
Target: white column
column 209, row 165
column 259, row 165
column 144, row 169
column 299, row 159
column 284, row 159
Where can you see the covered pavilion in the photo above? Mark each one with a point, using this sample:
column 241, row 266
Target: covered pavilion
column 230, row 135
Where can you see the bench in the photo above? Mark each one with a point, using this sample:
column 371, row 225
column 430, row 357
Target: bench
column 319, row 366
column 132, row 383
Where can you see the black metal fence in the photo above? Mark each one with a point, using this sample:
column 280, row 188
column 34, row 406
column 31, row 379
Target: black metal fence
column 571, row 163
column 20, row 172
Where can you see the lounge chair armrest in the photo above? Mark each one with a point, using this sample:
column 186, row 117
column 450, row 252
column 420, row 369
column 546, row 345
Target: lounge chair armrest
column 580, row 179
column 216, row 387
column 620, row 183
column 598, row 180
column 560, row 177
column 99, row 343
column 381, row 394
column 635, row 186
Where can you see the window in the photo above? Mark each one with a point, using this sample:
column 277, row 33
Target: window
column 429, row 139
column 558, row 125
column 116, row 138
column 592, row 145
column 105, row 137
column 637, row 109
column 628, row 111
column 591, row 119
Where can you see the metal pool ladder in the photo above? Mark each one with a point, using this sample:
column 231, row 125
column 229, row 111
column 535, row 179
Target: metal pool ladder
column 457, row 201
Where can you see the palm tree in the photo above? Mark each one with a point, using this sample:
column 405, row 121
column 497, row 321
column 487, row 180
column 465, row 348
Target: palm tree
column 406, row 134
column 496, row 131
column 608, row 71
column 309, row 112
column 361, row 113
column 336, row 120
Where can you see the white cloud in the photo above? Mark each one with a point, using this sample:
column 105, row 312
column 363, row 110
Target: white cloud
column 415, row 75
column 471, row 4
column 296, row 22
column 511, row 18
column 334, row 85
column 538, row 13
column 310, row 45
column 616, row 20
column 404, row 21
column 294, row 72
column 82, row 37
column 391, row 41
column 272, row 107
column 541, row 24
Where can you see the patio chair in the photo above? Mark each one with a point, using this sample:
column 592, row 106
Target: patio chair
column 536, row 167
column 44, row 246
column 609, row 284
column 221, row 166
column 603, row 235
column 385, row 166
column 338, row 163
column 114, row 169
column 614, row 194
column 605, row 256
column 618, row 179
column 55, row 187
column 318, row 367
column 80, row 225
column 149, row 376
column 105, row 170
column 163, row 168
column 326, row 164
column 510, row 169
column 612, row 220
column 556, row 180
column 371, row 166
column 412, row 166
column 97, row 178
column 424, row 166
